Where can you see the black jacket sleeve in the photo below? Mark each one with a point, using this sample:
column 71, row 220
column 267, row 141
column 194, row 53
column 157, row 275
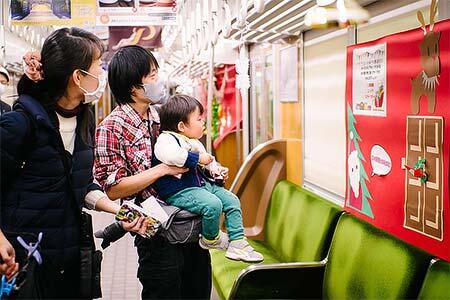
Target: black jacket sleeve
column 14, row 129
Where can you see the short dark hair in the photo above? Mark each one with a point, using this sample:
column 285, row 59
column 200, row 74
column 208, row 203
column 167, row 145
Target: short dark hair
column 176, row 110
column 126, row 69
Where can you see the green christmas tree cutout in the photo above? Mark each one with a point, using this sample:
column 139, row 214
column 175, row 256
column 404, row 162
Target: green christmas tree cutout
column 357, row 175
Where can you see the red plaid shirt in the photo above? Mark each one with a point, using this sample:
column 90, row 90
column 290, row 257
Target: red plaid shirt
column 123, row 147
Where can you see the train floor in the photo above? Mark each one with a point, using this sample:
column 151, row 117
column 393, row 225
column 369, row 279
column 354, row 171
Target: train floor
column 119, row 267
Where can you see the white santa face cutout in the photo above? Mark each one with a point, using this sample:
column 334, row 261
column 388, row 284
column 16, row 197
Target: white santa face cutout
column 354, row 172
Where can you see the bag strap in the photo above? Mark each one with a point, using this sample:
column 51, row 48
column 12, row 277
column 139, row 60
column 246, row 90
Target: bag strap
column 85, row 219
column 175, row 137
column 62, row 153
column 30, row 131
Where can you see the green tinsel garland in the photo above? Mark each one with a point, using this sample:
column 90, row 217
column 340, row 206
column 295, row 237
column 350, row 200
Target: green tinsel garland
column 215, row 118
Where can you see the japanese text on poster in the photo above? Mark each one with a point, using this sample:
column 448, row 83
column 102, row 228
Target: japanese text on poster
column 369, row 81
column 136, row 12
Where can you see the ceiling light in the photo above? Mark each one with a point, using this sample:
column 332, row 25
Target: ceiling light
column 324, row 2
column 341, row 13
column 259, row 5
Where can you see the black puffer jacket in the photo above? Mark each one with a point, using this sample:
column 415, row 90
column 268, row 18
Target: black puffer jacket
column 35, row 193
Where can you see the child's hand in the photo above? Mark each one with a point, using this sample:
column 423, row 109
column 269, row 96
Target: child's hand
column 205, row 158
column 224, row 172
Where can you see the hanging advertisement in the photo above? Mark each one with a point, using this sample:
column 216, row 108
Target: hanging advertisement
column 369, row 81
column 148, row 37
column 136, row 12
column 53, row 12
column 398, row 165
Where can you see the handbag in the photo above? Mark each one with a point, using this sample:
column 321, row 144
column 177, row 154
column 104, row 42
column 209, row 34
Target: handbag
column 90, row 261
column 182, row 226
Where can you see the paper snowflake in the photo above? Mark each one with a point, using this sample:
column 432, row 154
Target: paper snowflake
column 242, row 77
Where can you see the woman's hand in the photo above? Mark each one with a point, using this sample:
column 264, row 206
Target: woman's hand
column 8, row 265
column 173, row 170
column 107, row 205
column 139, row 226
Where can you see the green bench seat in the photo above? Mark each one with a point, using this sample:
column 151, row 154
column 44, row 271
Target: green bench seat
column 437, row 282
column 363, row 263
column 298, row 228
column 367, row 263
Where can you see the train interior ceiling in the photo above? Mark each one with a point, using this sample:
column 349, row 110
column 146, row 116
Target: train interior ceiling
column 318, row 109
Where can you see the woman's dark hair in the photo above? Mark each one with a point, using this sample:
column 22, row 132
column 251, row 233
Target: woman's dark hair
column 63, row 52
column 126, row 70
column 177, row 110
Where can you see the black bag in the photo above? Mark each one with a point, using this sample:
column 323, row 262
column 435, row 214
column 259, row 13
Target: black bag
column 182, row 226
column 90, row 261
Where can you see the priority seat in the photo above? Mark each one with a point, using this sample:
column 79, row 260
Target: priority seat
column 298, row 228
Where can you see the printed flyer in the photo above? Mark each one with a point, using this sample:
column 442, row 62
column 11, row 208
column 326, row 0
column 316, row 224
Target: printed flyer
column 369, row 81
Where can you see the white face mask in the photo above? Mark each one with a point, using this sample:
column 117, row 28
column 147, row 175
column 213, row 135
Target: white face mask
column 98, row 92
column 156, row 92
column 2, row 89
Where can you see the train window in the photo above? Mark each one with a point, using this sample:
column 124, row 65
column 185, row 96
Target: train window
column 324, row 115
column 256, row 86
column 262, row 97
column 268, row 84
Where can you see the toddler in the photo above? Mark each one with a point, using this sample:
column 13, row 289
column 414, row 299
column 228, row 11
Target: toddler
column 181, row 127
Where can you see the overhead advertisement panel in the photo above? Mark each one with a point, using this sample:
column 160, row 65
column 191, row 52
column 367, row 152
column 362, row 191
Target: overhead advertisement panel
column 148, row 37
column 53, row 12
column 136, row 12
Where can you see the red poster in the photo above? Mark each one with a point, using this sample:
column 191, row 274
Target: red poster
column 398, row 135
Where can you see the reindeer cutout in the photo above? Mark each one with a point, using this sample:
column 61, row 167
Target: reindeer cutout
column 426, row 81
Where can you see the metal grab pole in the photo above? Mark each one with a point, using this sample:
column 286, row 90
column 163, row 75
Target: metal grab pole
column 3, row 17
column 210, row 98
column 238, row 128
column 245, row 114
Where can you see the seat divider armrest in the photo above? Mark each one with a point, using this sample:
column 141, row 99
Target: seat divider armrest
column 299, row 280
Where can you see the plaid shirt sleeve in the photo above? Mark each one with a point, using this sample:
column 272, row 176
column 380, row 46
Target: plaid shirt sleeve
column 110, row 164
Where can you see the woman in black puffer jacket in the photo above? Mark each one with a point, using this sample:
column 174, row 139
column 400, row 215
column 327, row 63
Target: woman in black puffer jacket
column 46, row 148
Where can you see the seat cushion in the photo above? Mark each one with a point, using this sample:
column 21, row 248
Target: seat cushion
column 366, row 263
column 299, row 224
column 225, row 271
column 437, row 281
